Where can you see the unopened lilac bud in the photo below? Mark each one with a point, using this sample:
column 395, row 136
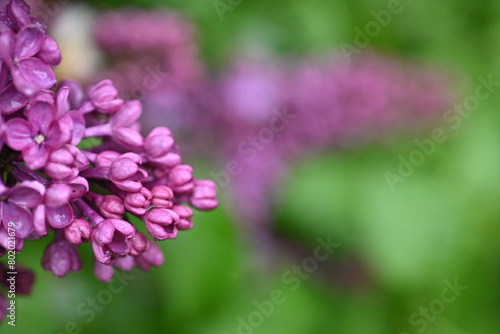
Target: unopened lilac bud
column 60, row 257
column 126, row 174
column 139, row 244
column 159, row 142
column 103, row 272
column 162, row 196
column 50, row 52
column 78, row 231
column 152, row 257
column 160, row 223
column 180, row 179
column 111, row 236
column 125, row 263
column 112, row 207
column 106, row 158
column 159, row 148
column 185, row 215
column 79, row 187
column 138, row 202
column 61, row 165
column 204, row 196
column 104, row 97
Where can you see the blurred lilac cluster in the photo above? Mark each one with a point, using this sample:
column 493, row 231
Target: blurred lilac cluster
column 261, row 113
column 75, row 165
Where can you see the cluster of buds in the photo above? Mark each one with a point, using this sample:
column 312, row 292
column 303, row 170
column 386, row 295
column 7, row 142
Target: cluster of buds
column 74, row 162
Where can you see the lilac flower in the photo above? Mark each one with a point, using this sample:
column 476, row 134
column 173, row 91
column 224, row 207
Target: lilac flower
column 37, row 136
column 18, row 51
column 111, row 236
column 151, row 257
column 161, row 223
column 204, row 195
column 180, row 179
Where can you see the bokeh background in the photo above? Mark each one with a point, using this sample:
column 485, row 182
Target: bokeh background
column 397, row 249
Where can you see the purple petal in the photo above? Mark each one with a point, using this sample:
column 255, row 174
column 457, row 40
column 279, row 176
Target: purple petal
column 39, row 221
column 127, row 115
column 35, row 156
column 11, row 100
column 56, row 136
column 24, row 196
column 40, row 115
column 120, row 247
column 103, row 272
column 31, row 75
column 19, row 134
column 21, row 217
column 123, row 227
column 7, row 47
column 29, row 42
column 103, row 233
column 60, row 216
column 79, row 187
column 128, row 138
column 57, row 195
column 78, row 126
column 99, row 253
column 18, row 12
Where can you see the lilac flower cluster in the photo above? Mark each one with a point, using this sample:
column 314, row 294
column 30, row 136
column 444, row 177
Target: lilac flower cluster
column 74, row 162
column 330, row 104
column 137, row 41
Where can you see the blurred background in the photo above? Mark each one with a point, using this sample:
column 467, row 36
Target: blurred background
column 373, row 208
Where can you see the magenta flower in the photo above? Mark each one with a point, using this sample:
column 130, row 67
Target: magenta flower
column 180, row 179
column 29, row 73
column 204, row 196
column 161, row 223
column 111, row 236
column 37, row 136
column 104, row 97
column 138, row 202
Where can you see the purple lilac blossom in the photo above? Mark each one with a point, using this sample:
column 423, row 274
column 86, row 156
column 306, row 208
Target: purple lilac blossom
column 75, row 165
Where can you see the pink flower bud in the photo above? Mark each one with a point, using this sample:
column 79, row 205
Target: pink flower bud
column 185, row 215
column 104, row 97
column 78, row 231
column 138, row 202
column 112, row 207
column 180, row 179
column 204, row 196
column 162, row 196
